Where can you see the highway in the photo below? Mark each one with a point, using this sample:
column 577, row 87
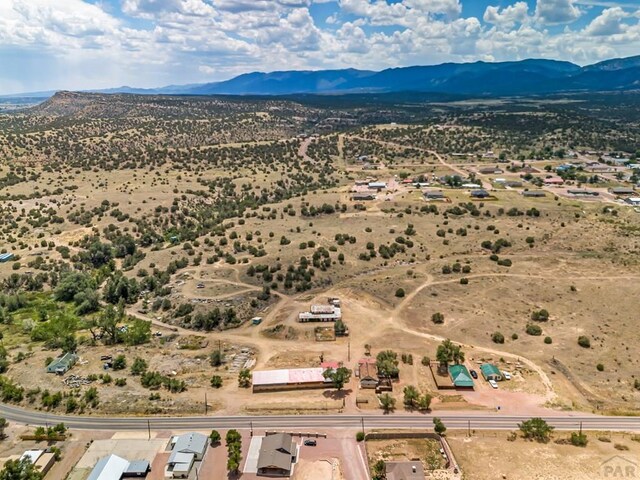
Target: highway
column 313, row 423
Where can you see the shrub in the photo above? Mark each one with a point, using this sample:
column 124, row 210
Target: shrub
column 534, row 330
column 514, row 336
column 437, row 318
column 600, row 367
column 464, row 281
column 497, row 337
column 579, row 439
column 548, row 340
column 584, row 341
column 400, row 292
column 360, row 436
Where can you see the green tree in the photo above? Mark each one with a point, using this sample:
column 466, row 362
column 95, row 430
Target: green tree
column 448, row 352
column 424, row 402
column 437, row 318
column 584, row 341
column 139, row 366
column 411, row 396
column 244, row 378
column 497, row 337
column 119, row 363
column 339, row 376
column 387, row 402
column 216, row 358
column 214, row 437
column 138, row 332
column 216, row 381
column 387, row 364
column 20, row 470
column 536, row 429
column 438, row 426
column 379, row 470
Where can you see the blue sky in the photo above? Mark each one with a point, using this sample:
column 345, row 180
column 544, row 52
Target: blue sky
column 82, row 44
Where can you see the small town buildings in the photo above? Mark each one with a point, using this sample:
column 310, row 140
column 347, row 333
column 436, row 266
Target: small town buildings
column 635, row 201
column 460, row 377
column 362, row 196
column 289, row 379
column 186, row 450
column 278, row 453
column 63, row 364
column 622, row 191
column 534, row 193
column 471, row 185
column 479, row 194
column 599, row 168
column 490, row 372
column 412, row 470
column 321, row 313
column 433, row 195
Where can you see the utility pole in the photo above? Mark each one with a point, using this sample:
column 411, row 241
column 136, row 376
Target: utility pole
column 206, row 406
column 362, row 422
column 349, row 350
column 251, row 426
column 580, row 428
column 469, row 427
column 149, row 428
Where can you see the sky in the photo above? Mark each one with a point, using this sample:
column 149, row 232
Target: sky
column 90, row 44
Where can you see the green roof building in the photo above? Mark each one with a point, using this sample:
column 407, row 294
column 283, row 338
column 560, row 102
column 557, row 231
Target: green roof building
column 460, row 376
column 490, row 372
column 61, row 365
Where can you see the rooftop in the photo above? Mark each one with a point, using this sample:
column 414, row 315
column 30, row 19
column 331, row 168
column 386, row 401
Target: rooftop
column 288, row 376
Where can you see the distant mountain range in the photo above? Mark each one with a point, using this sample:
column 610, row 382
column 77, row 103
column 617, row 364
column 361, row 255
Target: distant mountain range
column 526, row 77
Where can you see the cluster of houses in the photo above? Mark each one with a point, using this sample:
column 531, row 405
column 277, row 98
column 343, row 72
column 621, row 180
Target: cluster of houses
column 462, row 379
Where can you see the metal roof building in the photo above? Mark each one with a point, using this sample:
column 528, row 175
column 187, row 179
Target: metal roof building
column 460, row 376
column 62, row 364
column 490, row 372
column 289, row 379
column 109, row 468
column 5, row 257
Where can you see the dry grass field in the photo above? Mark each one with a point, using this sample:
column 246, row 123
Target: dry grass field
column 243, row 226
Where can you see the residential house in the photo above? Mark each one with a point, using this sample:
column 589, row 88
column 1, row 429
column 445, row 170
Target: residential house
column 433, row 195
column 111, row 467
column 490, row 170
column 187, row 449
column 321, row 313
column 368, row 373
column 63, row 364
column 490, row 372
column 553, row 181
column 359, row 196
column 622, row 191
column 460, row 377
column 277, row 455
column 479, row 194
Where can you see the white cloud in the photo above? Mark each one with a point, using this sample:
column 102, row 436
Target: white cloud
column 608, row 23
column 557, row 11
column 507, row 17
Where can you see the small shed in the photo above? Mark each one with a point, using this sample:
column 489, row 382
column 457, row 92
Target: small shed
column 63, row 364
column 460, row 376
column 490, row 372
column 534, row 193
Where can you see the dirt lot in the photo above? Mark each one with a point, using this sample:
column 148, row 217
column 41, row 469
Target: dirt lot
column 482, row 457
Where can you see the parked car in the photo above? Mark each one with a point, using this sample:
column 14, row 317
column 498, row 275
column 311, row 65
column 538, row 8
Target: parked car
column 310, row 442
column 493, row 384
column 506, row 375
column 474, row 374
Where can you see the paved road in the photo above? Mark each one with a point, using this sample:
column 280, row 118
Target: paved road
column 312, row 423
